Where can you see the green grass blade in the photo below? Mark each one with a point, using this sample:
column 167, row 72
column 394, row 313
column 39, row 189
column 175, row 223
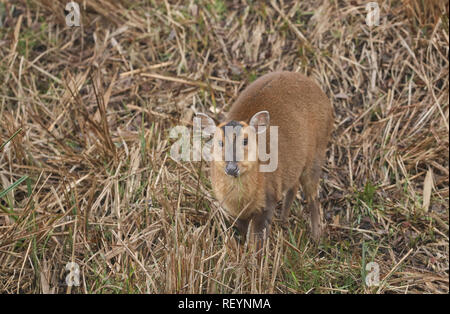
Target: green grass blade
column 14, row 185
column 12, row 136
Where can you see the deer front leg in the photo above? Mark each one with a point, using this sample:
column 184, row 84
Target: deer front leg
column 262, row 221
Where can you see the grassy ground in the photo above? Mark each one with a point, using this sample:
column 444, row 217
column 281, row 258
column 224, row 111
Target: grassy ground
column 87, row 176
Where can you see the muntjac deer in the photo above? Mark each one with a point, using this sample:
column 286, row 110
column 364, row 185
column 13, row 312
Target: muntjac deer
column 289, row 113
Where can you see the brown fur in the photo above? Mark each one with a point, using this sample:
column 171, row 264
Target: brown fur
column 304, row 117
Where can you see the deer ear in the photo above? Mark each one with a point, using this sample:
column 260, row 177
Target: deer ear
column 207, row 124
column 260, row 121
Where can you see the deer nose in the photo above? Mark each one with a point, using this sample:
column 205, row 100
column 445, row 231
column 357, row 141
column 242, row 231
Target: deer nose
column 232, row 169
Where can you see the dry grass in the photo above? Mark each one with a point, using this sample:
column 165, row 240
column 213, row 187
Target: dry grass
column 94, row 105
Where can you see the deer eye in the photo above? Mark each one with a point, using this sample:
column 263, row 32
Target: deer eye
column 245, row 141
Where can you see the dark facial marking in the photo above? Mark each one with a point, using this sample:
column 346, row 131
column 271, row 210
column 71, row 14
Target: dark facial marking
column 232, row 123
column 237, row 126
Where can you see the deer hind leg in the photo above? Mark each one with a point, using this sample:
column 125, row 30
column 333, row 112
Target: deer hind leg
column 287, row 203
column 310, row 183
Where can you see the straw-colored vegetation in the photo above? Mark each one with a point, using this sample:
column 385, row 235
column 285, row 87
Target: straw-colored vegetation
column 85, row 171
